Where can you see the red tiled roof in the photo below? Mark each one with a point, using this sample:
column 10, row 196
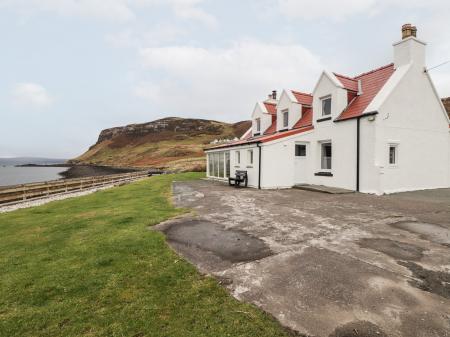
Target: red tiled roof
column 303, row 125
column 348, row 82
column 272, row 128
column 306, row 119
column 271, row 108
column 283, row 134
column 371, row 83
column 303, row 98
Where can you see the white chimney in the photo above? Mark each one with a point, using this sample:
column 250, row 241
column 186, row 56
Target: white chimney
column 409, row 49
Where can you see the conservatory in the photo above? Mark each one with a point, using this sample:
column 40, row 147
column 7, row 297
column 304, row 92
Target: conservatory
column 218, row 164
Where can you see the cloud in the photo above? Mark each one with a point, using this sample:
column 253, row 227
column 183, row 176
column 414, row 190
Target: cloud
column 114, row 10
column 343, row 9
column 332, row 9
column 223, row 83
column 31, row 95
column 157, row 35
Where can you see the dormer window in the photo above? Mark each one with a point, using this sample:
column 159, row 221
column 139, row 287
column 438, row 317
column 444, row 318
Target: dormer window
column 258, row 125
column 326, row 106
column 285, row 114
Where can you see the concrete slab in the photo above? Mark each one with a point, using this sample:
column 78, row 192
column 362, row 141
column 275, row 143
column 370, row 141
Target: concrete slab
column 323, row 189
column 324, row 265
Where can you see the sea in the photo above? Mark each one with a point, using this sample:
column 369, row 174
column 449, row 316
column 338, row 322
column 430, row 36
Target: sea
column 12, row 175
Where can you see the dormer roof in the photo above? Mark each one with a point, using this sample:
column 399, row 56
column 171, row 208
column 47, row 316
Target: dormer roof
column 371, row 84
column 347, row 82
column 271, row 108
column 303, row 98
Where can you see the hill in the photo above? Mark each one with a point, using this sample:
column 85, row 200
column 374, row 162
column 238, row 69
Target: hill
column 446, row 102
column 168, row 143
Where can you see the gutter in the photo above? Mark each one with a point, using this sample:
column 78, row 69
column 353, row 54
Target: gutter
column 358, row 145
column 259, row 165
column 358, row 141
column 358, row 137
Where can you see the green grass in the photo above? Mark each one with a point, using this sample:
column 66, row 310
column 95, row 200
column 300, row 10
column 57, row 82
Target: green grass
column 89, row 266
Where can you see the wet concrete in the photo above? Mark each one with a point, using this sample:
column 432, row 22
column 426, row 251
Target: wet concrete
column 327, row 264
column 358, row 329
column 432, row 232
column 432, row 281
column 395, row 249
column 231, row 245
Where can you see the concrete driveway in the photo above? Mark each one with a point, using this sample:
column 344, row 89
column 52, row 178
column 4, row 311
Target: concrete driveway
column 322, row 264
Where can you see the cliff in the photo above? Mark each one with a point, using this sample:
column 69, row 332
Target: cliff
column 168, row 143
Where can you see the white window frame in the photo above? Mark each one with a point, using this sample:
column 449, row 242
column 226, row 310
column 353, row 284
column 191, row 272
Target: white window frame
column 321, row 144
column 238, row 157
column 394, row 145
column 295, row 150
column 284, row 113
column 250, row 156
column 258, row 124
column 322, row 101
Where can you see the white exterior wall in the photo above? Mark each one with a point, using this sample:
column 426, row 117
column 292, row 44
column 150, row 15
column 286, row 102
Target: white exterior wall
column 266, row 119
column 278, row 158
column 252, row 169
column 295, row 110
column 412, row 117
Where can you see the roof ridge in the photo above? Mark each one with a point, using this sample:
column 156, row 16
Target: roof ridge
column 347, row 77
column 301, row 92
column 374, row 70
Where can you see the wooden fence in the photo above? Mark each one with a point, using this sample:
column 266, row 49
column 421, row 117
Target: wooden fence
column 19, row 193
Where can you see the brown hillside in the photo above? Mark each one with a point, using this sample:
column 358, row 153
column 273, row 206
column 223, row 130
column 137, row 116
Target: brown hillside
column 446, row 102
column 168, row 143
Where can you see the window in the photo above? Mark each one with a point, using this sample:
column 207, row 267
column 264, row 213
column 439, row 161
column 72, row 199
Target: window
column 300, row 150
column 393, row 156
column 250, row 157
column 326, row 155
column 258, row 124
column 238, row 157
column 285, row 118
column 219, row 164
column 326, row 106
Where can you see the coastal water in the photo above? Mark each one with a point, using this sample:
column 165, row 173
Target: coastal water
column 10, row 175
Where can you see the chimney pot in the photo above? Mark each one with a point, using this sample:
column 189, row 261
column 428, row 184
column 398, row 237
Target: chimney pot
column 274, row 94
column 408, row 30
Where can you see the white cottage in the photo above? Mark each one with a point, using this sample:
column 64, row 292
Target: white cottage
column 382, row 131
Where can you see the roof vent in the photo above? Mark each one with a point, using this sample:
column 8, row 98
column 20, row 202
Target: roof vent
column 408, row 30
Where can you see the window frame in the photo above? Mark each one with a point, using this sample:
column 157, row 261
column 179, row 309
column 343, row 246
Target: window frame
column 284, row 113
column 322, row 101
column 322, row 147
column 238, row 157
column 258, row 124
column 250, row 156
column 396, row 156
column 304, row 151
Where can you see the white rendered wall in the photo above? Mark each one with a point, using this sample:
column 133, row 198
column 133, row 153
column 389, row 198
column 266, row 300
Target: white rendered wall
column 412, row 117
column 266, row 119
column 294, row 108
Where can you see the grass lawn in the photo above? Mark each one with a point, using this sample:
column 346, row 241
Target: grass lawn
column 89, row 266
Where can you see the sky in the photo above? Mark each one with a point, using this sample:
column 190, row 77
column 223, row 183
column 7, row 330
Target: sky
column 70, row 68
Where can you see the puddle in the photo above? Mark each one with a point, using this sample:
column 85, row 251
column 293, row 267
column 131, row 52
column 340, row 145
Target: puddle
column 432, row 232
column 397, row 250
column 435, row 282
column 358, row 329
column 230, row 245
